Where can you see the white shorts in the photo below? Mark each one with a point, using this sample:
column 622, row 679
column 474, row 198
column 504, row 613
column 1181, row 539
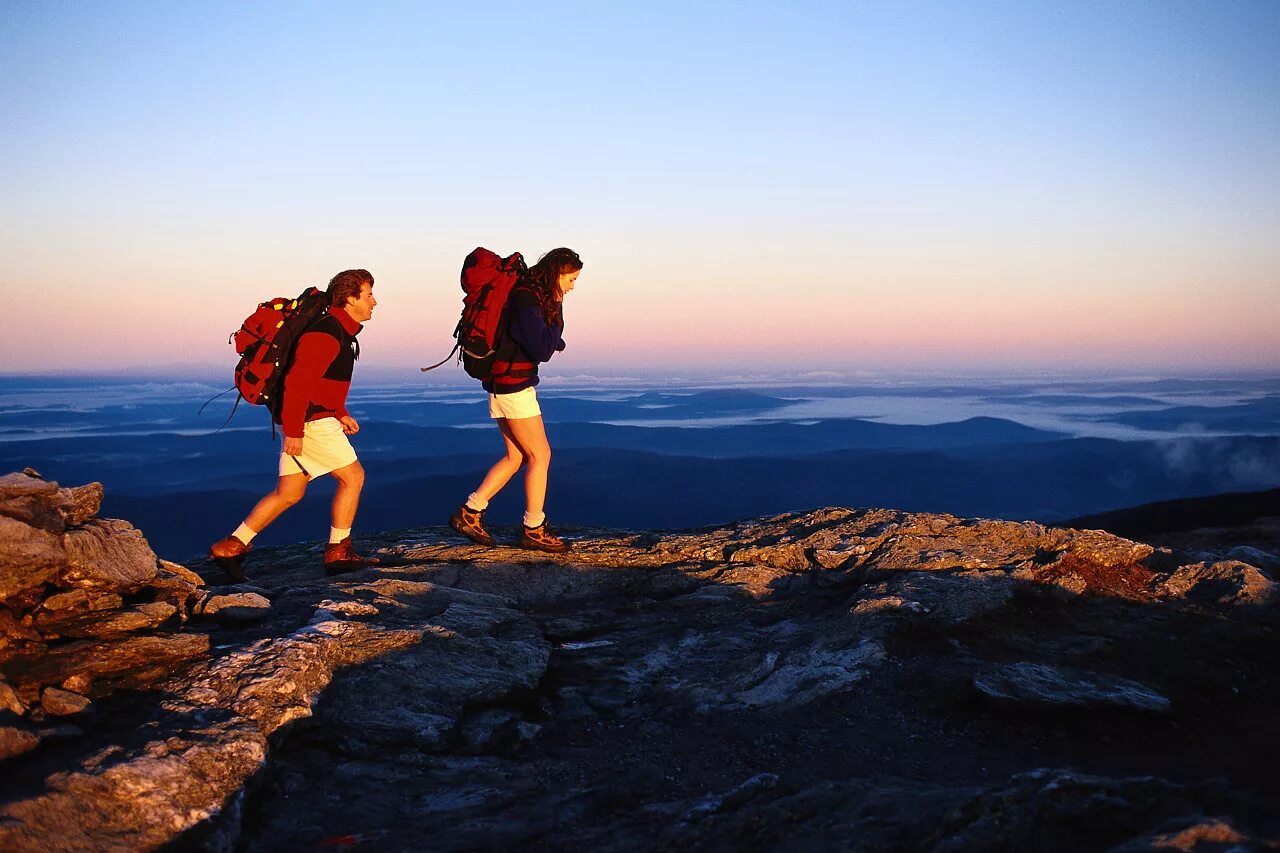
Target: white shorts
column 521, row 404
column 325, row 448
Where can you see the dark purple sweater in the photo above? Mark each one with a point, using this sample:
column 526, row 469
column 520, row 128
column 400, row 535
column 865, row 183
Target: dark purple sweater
column 529, row 338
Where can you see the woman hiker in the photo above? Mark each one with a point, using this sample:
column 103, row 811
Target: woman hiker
column 535, row 323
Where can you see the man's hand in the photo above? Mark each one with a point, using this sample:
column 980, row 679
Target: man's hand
column 349, row 424
column 292, row 446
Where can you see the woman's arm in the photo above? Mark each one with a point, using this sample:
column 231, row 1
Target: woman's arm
column 529, row 329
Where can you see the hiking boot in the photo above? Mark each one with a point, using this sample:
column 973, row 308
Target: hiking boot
column 229, row 555
column 470, row 523
column 541, row 538
column 339, row 558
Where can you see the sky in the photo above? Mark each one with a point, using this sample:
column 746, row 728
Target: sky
column 842, row 186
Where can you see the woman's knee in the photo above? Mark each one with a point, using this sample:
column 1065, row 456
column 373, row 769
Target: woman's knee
column 539, row 455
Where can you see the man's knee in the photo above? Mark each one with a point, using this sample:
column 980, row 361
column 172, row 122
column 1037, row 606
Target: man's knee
column 289, row 492
column 351, row 476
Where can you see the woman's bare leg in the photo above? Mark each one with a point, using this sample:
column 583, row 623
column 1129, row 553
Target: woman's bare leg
column 530, row 437
column 505, row 468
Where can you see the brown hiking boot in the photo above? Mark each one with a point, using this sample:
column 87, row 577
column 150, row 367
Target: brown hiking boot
column 229, row 555
column 339, row 558
column 541, row 538
column 470, row 523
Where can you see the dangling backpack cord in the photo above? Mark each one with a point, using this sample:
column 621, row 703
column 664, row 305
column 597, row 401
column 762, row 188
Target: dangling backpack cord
column 487, row 281
column 441, row 361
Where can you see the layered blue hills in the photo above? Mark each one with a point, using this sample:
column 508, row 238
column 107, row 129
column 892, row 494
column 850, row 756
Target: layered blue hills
column 660, row 458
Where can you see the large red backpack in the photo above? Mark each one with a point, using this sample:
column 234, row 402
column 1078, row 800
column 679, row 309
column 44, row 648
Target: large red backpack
column 265, row 342
column 487, row 281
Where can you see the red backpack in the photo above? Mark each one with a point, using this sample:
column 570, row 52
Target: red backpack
column 487, row 281
column 265, row 342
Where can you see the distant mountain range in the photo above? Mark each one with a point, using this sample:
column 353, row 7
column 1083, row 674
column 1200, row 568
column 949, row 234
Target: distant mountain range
column 655, row 459
column 1049, row 481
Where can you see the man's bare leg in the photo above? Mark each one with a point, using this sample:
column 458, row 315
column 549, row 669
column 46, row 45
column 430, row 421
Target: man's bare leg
column 338, row 554
column 229, row 553
column 346, row 500
column 289, row 490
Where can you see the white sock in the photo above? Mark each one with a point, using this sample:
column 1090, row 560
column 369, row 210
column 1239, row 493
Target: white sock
column 534, row 519
column 337, row 534
column 245, row 533
column 476, row 502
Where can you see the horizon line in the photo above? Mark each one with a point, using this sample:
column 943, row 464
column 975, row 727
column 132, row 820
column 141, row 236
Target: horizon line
column 604, row 373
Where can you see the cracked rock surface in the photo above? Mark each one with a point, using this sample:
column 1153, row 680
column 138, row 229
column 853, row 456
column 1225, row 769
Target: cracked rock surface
column 840, row 678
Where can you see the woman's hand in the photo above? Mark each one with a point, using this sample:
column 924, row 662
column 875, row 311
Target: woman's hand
column 292, row 446
column 349, row 424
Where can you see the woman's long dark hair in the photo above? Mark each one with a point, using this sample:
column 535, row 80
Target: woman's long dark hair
column 543, row 278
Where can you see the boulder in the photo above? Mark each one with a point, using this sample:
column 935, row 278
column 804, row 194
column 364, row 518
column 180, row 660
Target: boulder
column 9, row 700
column 490, row 729
column 425, row 689
column 132, row 662
column 18, row 485
column 12, row 629
column 31, row 501
column 180, row 571
column 62, row 703
column 234, row 607
column 82, row 599
column 15, row 741
column 104, row 623
column 1052, row 809
column 108, row 553
column 1265, row 560
column 804, row 677
column 948, row 599
column 1077, row 811
column 1222, row 583
column 1192, row 833
column 29, row 557
column 730, row 800
column 80, row 504
column 175, row 589
column 1039, row 685
column 79, row 683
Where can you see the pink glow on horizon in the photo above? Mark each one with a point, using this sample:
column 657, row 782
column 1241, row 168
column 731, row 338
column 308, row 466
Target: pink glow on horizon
column 619, row 320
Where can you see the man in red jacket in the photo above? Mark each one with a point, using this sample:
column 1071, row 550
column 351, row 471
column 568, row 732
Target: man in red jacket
column 316, row 424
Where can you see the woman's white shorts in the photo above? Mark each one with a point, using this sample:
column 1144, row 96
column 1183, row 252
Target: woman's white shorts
column 325, row 448
column 520, row 404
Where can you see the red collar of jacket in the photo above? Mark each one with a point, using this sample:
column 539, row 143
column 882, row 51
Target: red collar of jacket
column 344, row 319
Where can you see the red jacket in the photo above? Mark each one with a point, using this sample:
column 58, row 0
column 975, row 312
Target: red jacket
column 318, row 380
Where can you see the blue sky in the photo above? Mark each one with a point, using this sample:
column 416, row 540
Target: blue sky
column 889, row 185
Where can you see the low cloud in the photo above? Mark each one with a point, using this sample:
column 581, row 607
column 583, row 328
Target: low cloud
column 1230, row 464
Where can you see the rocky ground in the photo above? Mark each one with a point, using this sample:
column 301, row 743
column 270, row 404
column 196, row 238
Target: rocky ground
column 858, row 679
